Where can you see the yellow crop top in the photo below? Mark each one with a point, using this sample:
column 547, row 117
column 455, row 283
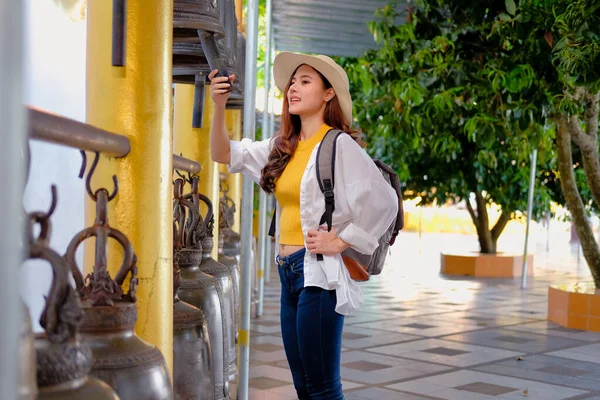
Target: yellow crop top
column 287, row 190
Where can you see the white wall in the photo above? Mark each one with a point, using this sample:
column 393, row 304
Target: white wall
column 55, row 80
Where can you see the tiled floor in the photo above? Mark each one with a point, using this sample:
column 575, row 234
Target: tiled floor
column 420, row 335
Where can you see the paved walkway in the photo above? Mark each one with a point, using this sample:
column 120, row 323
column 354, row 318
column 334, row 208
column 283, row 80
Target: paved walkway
column 420, row 335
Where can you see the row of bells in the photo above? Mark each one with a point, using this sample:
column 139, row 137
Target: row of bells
column 105, row 359
column 207, row 292
column 111, row 362
column 205, row 37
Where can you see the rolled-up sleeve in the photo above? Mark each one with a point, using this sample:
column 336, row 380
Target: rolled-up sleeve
column 249, row 157
column 371, row 200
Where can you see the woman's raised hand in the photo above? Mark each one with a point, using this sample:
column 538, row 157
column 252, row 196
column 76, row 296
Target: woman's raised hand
column 220, row 88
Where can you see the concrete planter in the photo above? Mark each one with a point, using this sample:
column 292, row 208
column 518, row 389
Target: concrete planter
column 575, row 306
column 500, row 265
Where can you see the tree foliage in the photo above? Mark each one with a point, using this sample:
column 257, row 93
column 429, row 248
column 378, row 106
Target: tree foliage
column 459, row 95
column 567, row 32
column 441, row 103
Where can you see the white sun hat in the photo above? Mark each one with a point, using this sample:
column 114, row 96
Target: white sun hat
column 286, row 63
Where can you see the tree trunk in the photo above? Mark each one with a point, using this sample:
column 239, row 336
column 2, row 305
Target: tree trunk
column 500, row 225
column 587, row 141
column 488, row 239
column 590, row 248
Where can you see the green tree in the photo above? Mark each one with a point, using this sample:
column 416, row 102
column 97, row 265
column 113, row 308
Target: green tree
column 439, row 103
column 560, row 40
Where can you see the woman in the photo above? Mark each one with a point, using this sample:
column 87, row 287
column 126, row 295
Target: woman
column 315, row 295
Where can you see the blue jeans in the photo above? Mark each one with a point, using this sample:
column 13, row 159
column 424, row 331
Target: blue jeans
column 312, row 332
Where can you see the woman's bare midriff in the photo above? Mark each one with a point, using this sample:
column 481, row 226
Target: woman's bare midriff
column 287, row 249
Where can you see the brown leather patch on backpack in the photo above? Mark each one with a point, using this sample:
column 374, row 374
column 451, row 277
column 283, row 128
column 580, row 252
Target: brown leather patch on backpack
column 358, row 272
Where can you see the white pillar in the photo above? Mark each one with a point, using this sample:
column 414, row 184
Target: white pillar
column 263, row 237
column 12, row 182
column 247, row 201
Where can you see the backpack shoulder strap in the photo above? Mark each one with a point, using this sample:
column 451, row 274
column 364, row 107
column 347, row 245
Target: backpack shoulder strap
column 326, row 172
column 326, row 175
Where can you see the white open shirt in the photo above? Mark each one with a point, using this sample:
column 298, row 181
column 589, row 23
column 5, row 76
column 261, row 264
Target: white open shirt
column 365, row 206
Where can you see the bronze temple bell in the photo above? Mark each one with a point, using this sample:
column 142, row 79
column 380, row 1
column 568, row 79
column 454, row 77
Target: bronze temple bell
column 230, row 46
column 63, row 362
column 193, row 377
column 226, row 221
column 196, row 29
column 223, row 275
column 229, row 240
column 229, row 49
column 204, row 233
column 204, row 291
column 236, row 100
column 134, row 368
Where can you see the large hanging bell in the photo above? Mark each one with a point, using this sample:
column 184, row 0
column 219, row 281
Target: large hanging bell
column 193, row 377
column 232, row 243
column 203, row 291
column 134, row 368
column 232, row 266
column 189, row 61
column 196, row 28
column 63, row 362
column 212, row 267
column 222, row 274
column 191, row 15
column 192, row 356
column 228, row 46
column 226, row 221
column 229, row 240
column 236, row 99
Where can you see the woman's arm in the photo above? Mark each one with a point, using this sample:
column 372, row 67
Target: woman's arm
column 220, row 149
column 246, row 156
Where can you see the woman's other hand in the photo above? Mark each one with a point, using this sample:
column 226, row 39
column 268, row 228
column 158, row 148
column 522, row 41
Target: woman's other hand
column 327, row 243
column 220, row 88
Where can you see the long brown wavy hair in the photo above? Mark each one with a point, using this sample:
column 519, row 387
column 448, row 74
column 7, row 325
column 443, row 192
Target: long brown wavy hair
column 286, row 140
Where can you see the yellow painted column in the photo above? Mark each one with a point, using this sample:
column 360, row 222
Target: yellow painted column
column 233, row 122
column 194, row 143
column 135, row 101
column 240, row 15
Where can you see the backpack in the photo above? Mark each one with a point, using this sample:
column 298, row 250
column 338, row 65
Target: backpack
column 361, row 266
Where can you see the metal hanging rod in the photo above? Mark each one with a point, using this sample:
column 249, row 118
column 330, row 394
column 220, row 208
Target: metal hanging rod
column 53, row 128
column 185, row 164
column 60, row 130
